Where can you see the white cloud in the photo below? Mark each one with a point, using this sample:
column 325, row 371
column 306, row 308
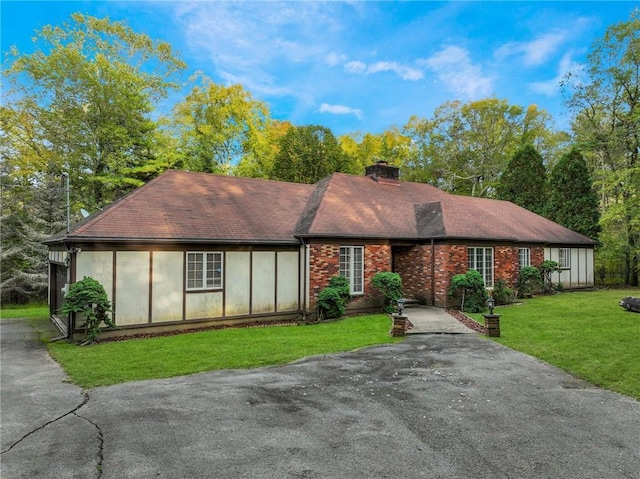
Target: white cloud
column 258, row 40
column 552, row 87
column 340, row 110
column 355, row 67
column 403, row 71
column 455, row 70
column 333, row 59
column 535, row 52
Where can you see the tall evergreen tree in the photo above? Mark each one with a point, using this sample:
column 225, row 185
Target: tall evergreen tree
column 524, row 180
column 572, row 201
column 307, row 154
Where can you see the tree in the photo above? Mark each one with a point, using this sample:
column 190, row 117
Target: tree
column 605, row 99
column 258, row 161
column 218, row 125
column 523, row 181
column 391, row 146
column 83, row 102
column 572, row 202
column 464, row 147
column 307, row 154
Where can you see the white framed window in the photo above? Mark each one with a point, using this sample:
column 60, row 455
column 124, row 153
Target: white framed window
column 524, row 255
column 564, row 258
column 204, row 270
column 352, row 267
column 481, row 259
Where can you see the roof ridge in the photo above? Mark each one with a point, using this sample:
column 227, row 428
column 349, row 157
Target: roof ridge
column 310, row 211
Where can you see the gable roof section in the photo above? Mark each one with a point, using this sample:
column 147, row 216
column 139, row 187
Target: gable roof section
column 181, row 206
column 359, row 207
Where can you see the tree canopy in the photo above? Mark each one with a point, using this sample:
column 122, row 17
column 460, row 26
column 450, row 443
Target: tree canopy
column 465, row 146
column 524, row 179
column 307, row 154
column 572, row 201
column 605, row 101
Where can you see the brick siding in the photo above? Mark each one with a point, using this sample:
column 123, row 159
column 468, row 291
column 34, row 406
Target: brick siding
column 413, row 263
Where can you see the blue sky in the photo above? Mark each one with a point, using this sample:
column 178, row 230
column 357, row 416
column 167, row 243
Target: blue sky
column 359, row 66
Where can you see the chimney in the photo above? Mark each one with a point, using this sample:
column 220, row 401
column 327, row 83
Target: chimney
column 383, row 173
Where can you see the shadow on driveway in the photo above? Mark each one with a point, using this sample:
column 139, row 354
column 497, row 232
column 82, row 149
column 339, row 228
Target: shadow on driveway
column 433, row 406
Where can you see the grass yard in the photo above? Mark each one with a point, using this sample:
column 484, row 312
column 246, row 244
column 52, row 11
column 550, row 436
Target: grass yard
column 161, row 357
column 585, row 333
column 24, row 311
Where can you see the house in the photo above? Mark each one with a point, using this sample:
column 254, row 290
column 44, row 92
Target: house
column 190, row 250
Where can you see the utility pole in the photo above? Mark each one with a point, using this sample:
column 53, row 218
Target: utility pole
column 66, row 189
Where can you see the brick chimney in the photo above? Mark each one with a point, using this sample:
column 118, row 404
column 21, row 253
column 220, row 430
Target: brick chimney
column 382, row 172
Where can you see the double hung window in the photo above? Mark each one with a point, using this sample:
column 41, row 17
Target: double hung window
column 524, row 255
column 204, row 271
column 352, row 267
column 481, row 259
column 564, row 258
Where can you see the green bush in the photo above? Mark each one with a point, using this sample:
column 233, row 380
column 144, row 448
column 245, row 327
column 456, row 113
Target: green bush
column 88, row 297
column 332, row 300
column 390, row 285
column 547, row 268
column 471, row 287
column 502, row 293
column 529, row 281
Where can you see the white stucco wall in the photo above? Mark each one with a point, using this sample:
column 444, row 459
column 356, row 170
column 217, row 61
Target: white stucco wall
column 132, row 287
column 237, row 282
column 168, row 286
column 97, row 265
column 581, row 272
column 263, row 289
column 204, row 305
column 288, row 271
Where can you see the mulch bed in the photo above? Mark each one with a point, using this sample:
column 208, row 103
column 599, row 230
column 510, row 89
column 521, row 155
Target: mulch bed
column 467, row 321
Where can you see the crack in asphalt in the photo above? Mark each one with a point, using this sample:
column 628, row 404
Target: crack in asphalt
column 73, row 412
column 100, row 443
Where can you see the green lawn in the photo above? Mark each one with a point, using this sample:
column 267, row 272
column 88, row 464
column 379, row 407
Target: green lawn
column 585, row 333
column 160, row 357
column 24, row 311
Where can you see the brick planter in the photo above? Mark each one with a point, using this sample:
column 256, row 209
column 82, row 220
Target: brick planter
column 399, row 327
column 492, row 325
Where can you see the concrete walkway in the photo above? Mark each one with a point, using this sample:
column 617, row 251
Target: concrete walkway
column 430, row 320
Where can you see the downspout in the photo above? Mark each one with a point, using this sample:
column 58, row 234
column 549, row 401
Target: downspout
column 433, row 273
column 305, row 287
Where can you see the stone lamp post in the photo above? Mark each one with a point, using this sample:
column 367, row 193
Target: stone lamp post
column 492, row 321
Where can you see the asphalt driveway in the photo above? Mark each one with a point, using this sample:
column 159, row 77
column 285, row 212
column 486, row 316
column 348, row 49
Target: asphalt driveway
column 433, row 406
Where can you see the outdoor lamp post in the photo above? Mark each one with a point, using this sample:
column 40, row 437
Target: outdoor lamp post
column 400, row 306
column 491, row 303
column 492, row 321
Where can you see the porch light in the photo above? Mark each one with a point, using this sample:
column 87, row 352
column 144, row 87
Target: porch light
column 491, row 303
column 400, row 302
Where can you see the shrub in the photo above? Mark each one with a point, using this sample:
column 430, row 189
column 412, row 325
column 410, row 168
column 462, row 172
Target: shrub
column 332, row 300
column 548, row 268
column 502, row 293
column 529, row 281
column 88, row 297
column 474, row 294
column 390, row 285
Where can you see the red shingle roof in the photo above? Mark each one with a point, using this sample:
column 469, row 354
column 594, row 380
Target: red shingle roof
column 180, row 206
column 358, row 206
column 189, row 207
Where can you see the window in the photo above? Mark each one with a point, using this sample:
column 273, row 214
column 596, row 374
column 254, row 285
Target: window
column 481, row 259
column 525, row 257
column 564, row 258
column 204, row 271
column 352, row 267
